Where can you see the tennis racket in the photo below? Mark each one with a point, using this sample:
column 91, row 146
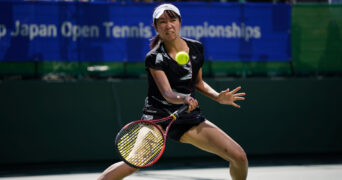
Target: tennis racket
column 141, row 143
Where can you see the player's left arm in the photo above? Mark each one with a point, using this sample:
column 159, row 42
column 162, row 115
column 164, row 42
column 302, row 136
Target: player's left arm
column 223, row 97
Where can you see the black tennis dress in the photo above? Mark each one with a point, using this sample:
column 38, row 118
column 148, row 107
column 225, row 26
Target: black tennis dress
column 182, row 81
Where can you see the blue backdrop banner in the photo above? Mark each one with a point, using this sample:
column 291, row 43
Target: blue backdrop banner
column 108, row 32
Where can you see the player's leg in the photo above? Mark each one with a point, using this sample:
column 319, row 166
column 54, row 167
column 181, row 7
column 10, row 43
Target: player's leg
column 210, row 138
column 117, row 171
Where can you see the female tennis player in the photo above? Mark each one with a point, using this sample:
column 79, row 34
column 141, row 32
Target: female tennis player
column 171, row 85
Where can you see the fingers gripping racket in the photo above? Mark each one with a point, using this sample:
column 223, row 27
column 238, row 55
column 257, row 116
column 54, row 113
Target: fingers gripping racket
column 141, row 143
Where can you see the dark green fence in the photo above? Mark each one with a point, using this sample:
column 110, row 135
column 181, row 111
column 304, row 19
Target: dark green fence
column 77, row 121
column 317, row 38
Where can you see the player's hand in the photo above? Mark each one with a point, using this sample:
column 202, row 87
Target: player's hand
column 193, row 103
column 229, row 97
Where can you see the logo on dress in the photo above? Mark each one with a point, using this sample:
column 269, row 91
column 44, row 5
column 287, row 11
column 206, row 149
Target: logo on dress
column 159, row 58
column 189, row 75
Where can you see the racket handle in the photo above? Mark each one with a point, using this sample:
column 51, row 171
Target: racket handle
column 182, row 109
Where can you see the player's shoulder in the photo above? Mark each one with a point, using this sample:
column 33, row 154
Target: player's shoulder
column 153, row 52
column 156, row 56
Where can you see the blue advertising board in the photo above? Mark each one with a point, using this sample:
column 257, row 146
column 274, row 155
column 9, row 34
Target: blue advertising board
column 110, row 32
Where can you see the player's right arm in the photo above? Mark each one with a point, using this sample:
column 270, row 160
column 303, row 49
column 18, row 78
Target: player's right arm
column 164, row 87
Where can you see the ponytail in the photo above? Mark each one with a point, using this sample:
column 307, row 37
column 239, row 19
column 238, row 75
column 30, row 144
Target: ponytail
column 154, row 41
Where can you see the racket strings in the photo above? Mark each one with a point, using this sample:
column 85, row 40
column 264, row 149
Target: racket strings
column 140, row 144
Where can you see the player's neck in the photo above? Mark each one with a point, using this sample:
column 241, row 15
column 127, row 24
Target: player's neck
column 176, row 45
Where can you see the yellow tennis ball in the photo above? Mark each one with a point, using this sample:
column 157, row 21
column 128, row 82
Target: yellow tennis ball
column 182, row 58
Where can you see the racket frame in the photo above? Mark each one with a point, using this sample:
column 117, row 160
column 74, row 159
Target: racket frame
column 172, row 116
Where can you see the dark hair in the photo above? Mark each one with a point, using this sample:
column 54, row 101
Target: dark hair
column 156, row 39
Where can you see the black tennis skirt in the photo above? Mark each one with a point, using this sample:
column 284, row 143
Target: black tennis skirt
column 185, row 122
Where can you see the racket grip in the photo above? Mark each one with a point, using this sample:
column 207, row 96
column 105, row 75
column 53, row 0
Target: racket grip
column 180, row 111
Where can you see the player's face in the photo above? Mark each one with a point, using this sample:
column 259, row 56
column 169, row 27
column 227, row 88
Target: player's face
column 167, row 27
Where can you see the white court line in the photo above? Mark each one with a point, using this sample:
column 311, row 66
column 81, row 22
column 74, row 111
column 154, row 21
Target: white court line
column 314, row 172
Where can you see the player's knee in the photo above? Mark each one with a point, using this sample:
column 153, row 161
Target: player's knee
column 236, row 156
column 240, row 157
column 128, row 170
column 132, row 170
